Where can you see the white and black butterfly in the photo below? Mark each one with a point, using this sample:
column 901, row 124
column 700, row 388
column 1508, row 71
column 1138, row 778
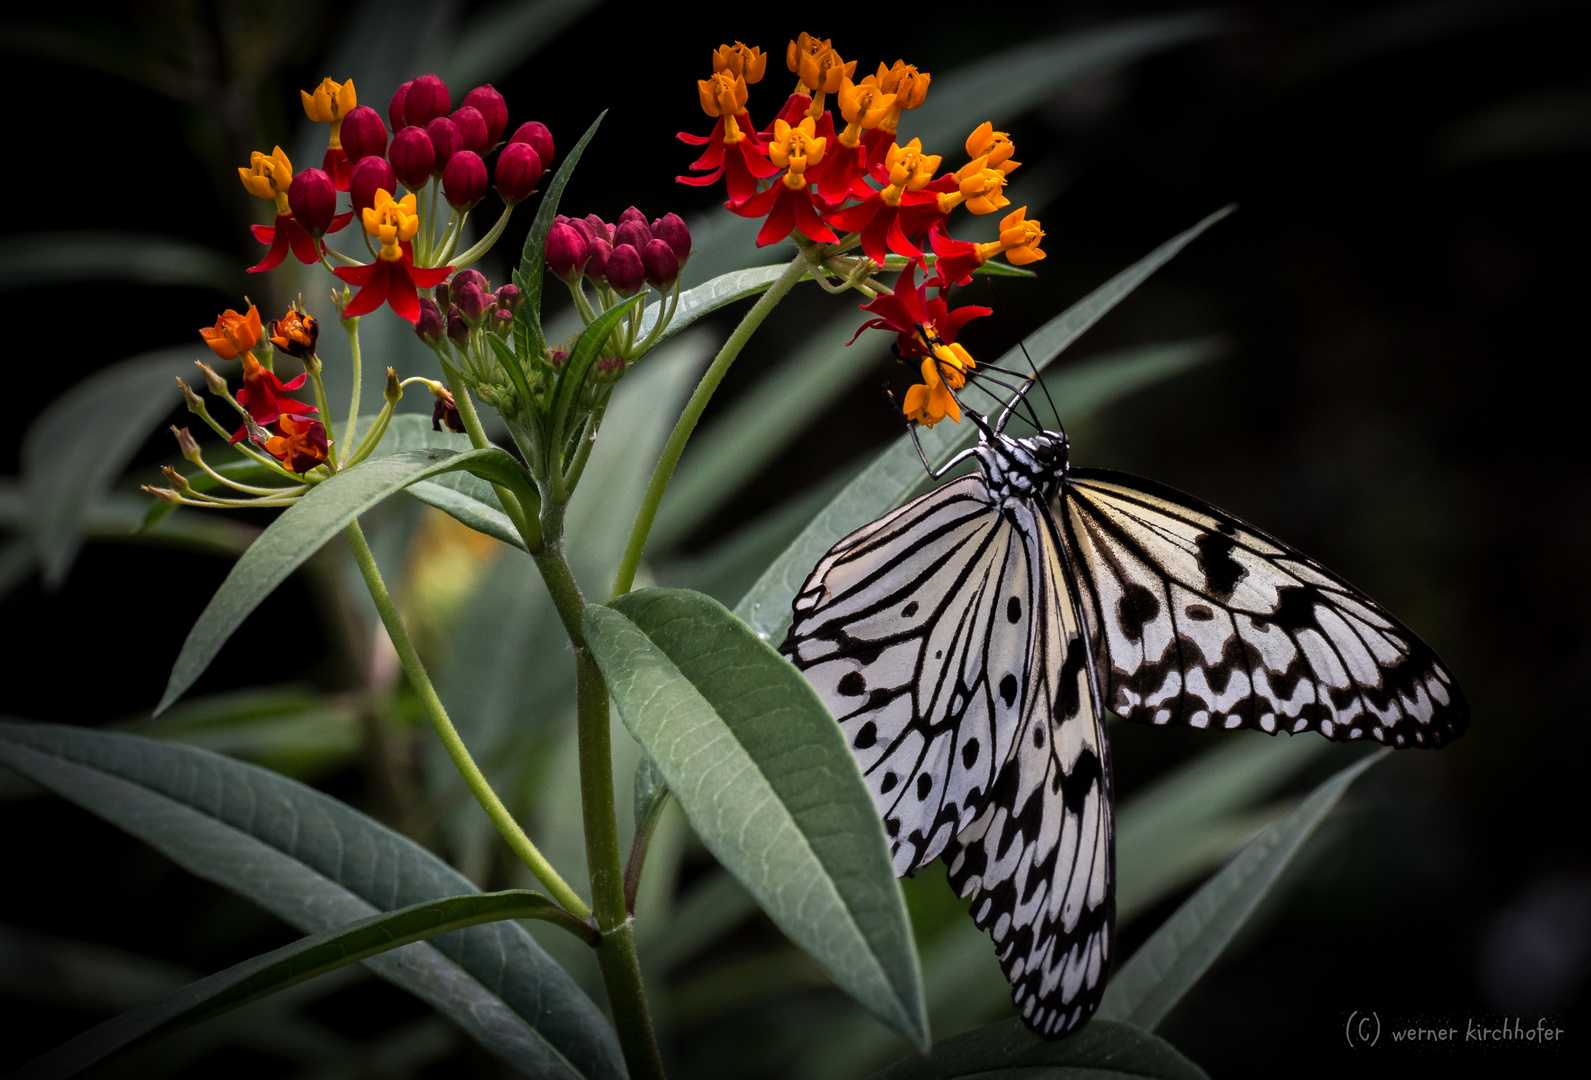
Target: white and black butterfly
column 970, row 642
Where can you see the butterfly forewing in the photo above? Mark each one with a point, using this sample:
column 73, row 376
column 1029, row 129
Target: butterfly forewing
column 1209, row 622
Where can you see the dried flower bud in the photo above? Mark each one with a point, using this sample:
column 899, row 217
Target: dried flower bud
column 395, row 109
column 474, row 303
column 660, row 263
column 464, row 180
column 624, row 271
column 296, row 333
column 430, row 326
column 566, row 251
column 394, row 389
column 178, row 481
column 535, row 135
column 493, row 109
column 597, row 255
column 370, row 175
column 458, row 331
column 426, row 100
column 186, row 444
column 212, row 378
column 671, row 228
column 472, row 128
column 445, row 411
column 634, row 233
column 508, row 297
column 518, row 171
column 313, row 200
column 412, row 157
column 194, row 402
column 165, row 495
column 446, row 140
column 363, row 134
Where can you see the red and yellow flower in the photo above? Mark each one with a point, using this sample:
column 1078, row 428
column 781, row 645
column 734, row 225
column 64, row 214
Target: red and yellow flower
column 299, row 444
column 927, row 328
column 734, row 149
column 329, row 103
column 956, row 259
column 393, row 278
column 789, row 204
column 905, row 206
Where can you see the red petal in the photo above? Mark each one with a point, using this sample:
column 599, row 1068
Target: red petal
column 807, row 220
column 952, row 323
column 401, row 295
column 781, row 220
column 701, row 181
column 356, row 275
column 759, row 204
column 340, row 221
column 263, row 233
column 374, row 294
column 856, row 217
column 289, row 387
column 693, row 140
column 427, row 276
column 304, row 247
column 273, row 258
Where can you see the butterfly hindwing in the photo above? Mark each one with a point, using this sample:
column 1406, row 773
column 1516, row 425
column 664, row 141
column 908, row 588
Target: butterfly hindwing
column 1208, row 621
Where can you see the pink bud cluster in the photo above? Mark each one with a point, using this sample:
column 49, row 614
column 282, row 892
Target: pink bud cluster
column 463, row 303
column 432, row 140
column 624, row 257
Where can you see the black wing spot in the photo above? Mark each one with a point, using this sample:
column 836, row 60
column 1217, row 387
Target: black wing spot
column 1008, row 690
column 852, row 684
column 890, row 780
column 925, row 784
column 866, row 736
column 1013, row 610
column 969, row 753
column 892, row 826
column 1200, row 612
column 1295, row 607
column 1038, row 735
column 1137, row 608
column 1221, row 571
column 939, row 654
column 909, row 610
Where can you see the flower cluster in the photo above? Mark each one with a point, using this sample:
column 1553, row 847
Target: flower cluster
column 832, row 164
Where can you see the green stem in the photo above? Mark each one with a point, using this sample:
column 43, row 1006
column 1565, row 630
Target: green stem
column 312, row 366
column 529, row 528
column 456, row 749
column 352, row 326
column 693, row 412
column 485, row 243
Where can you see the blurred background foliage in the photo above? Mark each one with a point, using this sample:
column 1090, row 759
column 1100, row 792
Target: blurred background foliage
column 1362, row 360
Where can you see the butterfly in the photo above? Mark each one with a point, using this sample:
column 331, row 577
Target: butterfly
column 970, row 642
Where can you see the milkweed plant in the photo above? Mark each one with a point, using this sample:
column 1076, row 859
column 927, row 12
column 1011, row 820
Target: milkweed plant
column 728, row 729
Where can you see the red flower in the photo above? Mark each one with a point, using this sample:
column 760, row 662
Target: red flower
column 906, row 205
column 740, row 162
column 265, row 396
column 301, row 444
column 921, row 325
column 391, row 281
column 288, row 233
column 799, row 149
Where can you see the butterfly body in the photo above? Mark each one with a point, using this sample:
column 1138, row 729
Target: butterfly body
column 970, row 642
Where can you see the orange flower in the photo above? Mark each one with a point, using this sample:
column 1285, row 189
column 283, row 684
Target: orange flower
column 233, row 334
column 301, row 445
column 295, row 333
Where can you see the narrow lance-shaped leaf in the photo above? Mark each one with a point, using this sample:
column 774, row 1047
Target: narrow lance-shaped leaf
column 281, row 968
column 766, row 778
column 897, row 472
column 318, row 864
column 530, row 277
column 1167, row 965
column 303, row 529
column 1008, row 1051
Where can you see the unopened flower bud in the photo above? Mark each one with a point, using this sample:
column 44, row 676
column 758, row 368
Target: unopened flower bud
column 634, row 233
column 583, row 227
column 660, row 263
column 370, row 175
column 632, row 214
column 472, row 128
column 426, row 100
column 165, row 495
column 194, row 402
column 518, row 171
column 474, row 303
column 446, row 140
column 458, row 331
column 493, row 109
column 671, row 228
column 535, row 135
column 566, row 251
column 597, row 256
column 394, row 389
column 556, row 357
column 186, row 444
column 395, row 109
column 599, row 228
column 502, row 319
column 178, row 481
column 313, row 200
column 508, row 297
column 464, row 180
column 363, row 134
column 624, row 271
column 212, row 378
column 430, row 326
column 468, row 277
column 412, row 157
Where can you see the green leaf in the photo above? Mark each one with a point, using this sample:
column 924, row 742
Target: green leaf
column 766, row 778
column 280, row 968
column 301, row 531
column 531, row 276
column 83, row 439
column 54, row 258
column 1100, row 1051
column 897, row 472
column 1167, row 965
column 318, row 864
column 708, row 297
column 461, row 495
column 499, row 38
column 588, row 347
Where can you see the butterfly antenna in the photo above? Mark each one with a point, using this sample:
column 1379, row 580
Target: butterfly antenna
column 1053, row 410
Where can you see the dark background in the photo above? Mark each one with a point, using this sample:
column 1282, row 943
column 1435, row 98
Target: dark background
column 1403, row 295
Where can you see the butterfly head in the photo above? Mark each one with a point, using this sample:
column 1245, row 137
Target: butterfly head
column 1017, row 469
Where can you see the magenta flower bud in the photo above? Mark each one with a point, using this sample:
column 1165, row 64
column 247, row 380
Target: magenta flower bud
column 634, row 233
column 660, row 263
column 517, row 173
column 474, row 303
column 472, row 127
column 624, row 272
column 493, row 109
column 430, row 327
column 370, row 174
column 363, row 134
column 446, row 140
column 464, row 180
column 412, row 157
column 599, row 229
column 426, row 100
column 583, row 227
column 468, row 277
column 508, row 297
column 556, row 357
column 536, row 134
column 671, row 228
column 597, row 255
column 395, row 109
column 632, row 214
column 313, row 199
column 566, row 251
column 458, row 330
column 502, row 319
